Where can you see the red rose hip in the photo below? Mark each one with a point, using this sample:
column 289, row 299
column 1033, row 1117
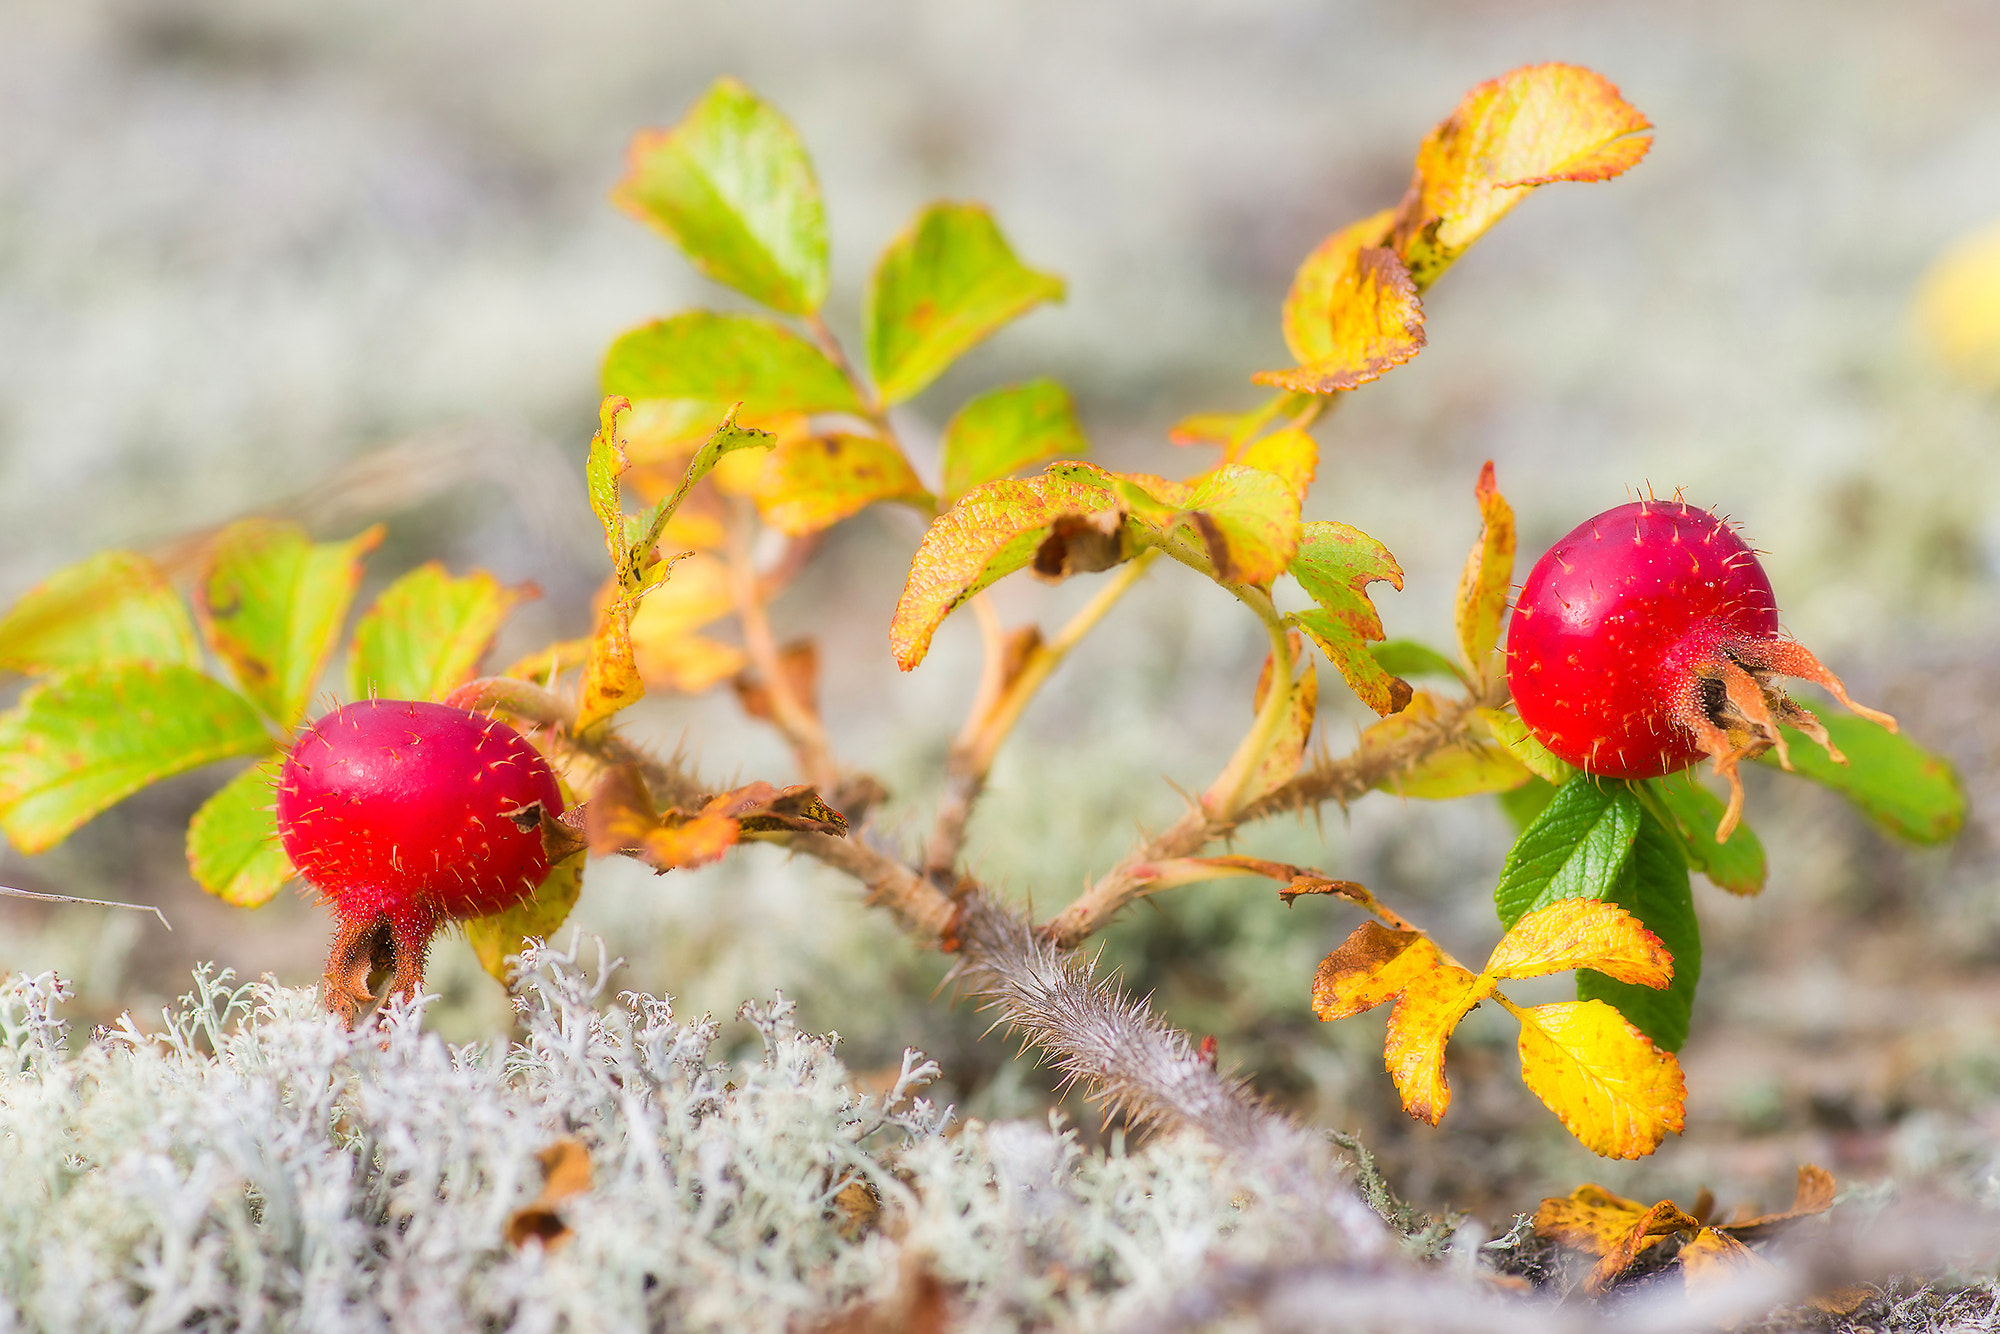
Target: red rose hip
column 405, row 816
column 1648, row 638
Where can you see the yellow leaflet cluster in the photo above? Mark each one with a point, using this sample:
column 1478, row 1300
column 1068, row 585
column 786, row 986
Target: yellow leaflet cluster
column 1610, row 1086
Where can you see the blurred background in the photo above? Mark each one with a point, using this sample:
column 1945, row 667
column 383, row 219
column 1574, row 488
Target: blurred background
column 343, row 262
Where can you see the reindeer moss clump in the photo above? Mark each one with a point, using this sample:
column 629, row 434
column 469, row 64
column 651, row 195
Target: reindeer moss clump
column 250, row 1165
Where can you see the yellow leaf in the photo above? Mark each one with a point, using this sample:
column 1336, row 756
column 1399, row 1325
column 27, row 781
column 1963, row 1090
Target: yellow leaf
column 1489, row 570
column 1958, row 307
column 688, row 664
column 1373, row 323
column 1290, row 453
column 1372, row 965
column 1612, row 1089
column 814, row 482
column 1582, row 933
column 1321, row 285
column 1426, row 1013
column 1714, row 1257
column 1538, row 124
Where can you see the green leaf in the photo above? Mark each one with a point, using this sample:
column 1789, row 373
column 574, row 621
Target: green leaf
column 813, row 482
column 1893, row 781
column 1335, row 564
column 1406, row 657
column 232, row 842
column 1527, row 801
column 995, row 529
column 1006, row 429
column 86, row 738
column 1693, row 813
column 732, row 186
column 115, row 606
column 717, row 358
column 272, row 603
column 1576, row 848
column 948, row 282
column 494, row 938
column 424, row 636
column 1655, row 889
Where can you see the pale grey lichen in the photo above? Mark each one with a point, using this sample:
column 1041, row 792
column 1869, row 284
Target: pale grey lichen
column 248, row 1164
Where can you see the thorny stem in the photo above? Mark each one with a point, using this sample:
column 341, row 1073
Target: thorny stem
column 794, row 717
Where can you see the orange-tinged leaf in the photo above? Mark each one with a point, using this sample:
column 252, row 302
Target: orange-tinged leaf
column 1426, row 1013
column 1715, row 1257
column 1489, row 571
column 1654, row 1226
column 698, row 593
column 1612, row 1089
column 1374, row 323
column 1335, row 564
column 945, row 284
column 1246, row 519
column 731, row 185
column 1814, row 1196
column 1290, row 453
column 1590, row 1218
column 992, row 531
column 689, row 841
column 611, row 679
column 1372, row 965
column 1321, row 286
column 1582, row 933
column 816, row 481
column 1538, row 124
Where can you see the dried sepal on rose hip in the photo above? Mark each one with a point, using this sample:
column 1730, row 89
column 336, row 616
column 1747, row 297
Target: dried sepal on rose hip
column 1648, row 638
column 406, row 816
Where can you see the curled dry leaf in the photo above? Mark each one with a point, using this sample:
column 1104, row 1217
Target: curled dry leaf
column 1619, row 1231
column 565, row 1173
